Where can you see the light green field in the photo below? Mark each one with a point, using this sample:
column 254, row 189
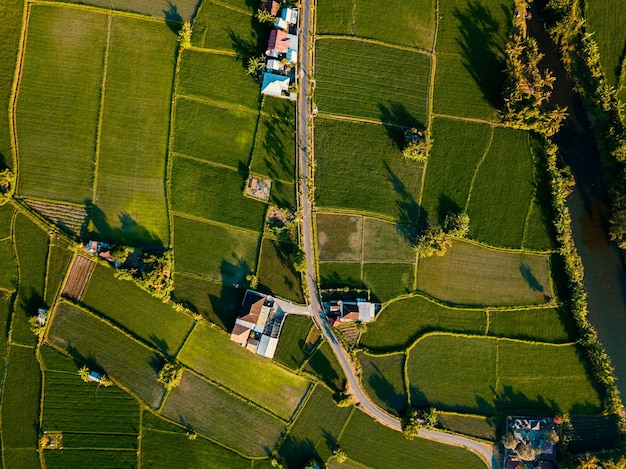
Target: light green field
column 383, row 380
column 538, row 235
column 335, row 17
column 540, row 324
column 276, row 272
column 359, row 79
column 200, row 71
column 503, row 190
column 606, row 19
column 216, row 134
column 6, row 215
column 478, row 426
column 410, row 24
column 130, row 190
column 340, row 237
column 222, row 416
column 457, row 149
column 360, row 167
column 162, row 9
column 386, row 281
column 92, row 341
column 384, row 241
column 7, row 262
column 212, row 354
column 218, row 302
column 221, row 254
column 214, row 193
column 61, row 79
column 388, row 449
column 318, row 425
column 401, row 322
column 292, row 346
column 470, row 274
column 136, row 310
column 21, row 391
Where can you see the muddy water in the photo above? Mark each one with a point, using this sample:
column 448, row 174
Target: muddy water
column 605, row 278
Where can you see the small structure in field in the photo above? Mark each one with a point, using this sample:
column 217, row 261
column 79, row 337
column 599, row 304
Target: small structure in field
column 95, row 376
column 97, row 247
column 279, row 77
column 274, row 85
column 530, row 442
column 270, row 6
column 42, row 316
column 259, row 188
column 52, row 440
column 340, row 311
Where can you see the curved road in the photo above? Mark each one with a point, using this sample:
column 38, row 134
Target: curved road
column 483, row 450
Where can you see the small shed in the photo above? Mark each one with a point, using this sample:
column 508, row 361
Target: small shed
column 42, row 315
column 95, row 376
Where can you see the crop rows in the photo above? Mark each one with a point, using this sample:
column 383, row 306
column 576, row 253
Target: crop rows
column 72, row 218
column 77, row 279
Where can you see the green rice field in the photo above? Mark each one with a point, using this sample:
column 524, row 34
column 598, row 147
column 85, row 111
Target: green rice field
column 386, row 281
column 333, row 17
column 325, row 366
column 340, row 274
column 606, row 19
column 293, row 349
column 211, row 353
column 85, row 457
column 387, row 242
column 59, row 258
column 383, row 380
column 161, row 9
column 340, row 237
column 359, row 79
column 540, row 324
column 276, row 273
column 8, row 279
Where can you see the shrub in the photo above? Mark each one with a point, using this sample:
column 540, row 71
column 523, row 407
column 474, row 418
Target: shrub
column 170, row 375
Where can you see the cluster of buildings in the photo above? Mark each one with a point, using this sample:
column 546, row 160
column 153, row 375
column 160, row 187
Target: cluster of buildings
column 341, row 311
column 103, row 251
column 282, row 51
column 532, row 442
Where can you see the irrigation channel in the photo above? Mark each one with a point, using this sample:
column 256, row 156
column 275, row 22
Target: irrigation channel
column 605, row 278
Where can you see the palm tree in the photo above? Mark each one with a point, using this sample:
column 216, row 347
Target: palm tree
column 588, row 461
column 83, row 372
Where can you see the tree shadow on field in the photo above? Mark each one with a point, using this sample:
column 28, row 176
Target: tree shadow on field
column 409, row 215
column 445, row 206
column 173, row 19
column 385, row 391
column 296, row 452
column 529, row 277
column 31, row 302
column 481, row 49
column 396, row 118
column 278, row 156
column 80, row 360
column 156, row 362
column 161, row 344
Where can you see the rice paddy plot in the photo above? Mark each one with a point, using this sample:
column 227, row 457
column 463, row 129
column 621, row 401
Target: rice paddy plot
column 215, row 134
column 214, row 193
column 218, row 302
column 386, row 281
column 136, row 311
column 6, row 216
column 222, row 416
column 61, row 80
column 606, row 20
column 130, row 203
column 385, row 448
column 212, row 354
column 339, row 237
column 94, row 342
column 58, row 263
column 8, row 280
column 360, row 79
column 503, row 190
column 403, row 321
column 323, row 364
column 5, row 310
column 540, row 324
column 360, row 167
column 387, row 242
column 87, row 457
column 340, row 274
column 457, row 150
column 383, row 379
column 409, row 24
column 477, row 426
column 539, row 231
column 21, row 457
column 200, row 71
column 77, row 278
column 316, row 430
column 335, row 17
column 470, row 274
column 275, row 144
column 72, row 406
column 71, row 218
column 276, row 272
column 293, row 348
column 283, row 195
column 216, row 252
column 182, row 10
column 54, row 360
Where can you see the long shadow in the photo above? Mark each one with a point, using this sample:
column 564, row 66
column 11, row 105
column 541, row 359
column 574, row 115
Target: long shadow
column 161, row 344
column 481, row 50
column 394, row 117
column 529, row 277
column 173, row 19
column 31, row 302
column 386, row 392
column 409, row 213
column 445, row 206
column 296, row 452
column 84, row 360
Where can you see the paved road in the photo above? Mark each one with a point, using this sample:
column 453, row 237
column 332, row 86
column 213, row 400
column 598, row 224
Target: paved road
column 483, row 450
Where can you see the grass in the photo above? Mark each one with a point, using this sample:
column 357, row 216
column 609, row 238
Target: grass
column 276, row 272
column 541, row 324
column 384, row 241
column 215, row 252
column 10, row 31
column 473, row 275
column 26, row 458
column 339, row 275
column 53, row 360
column 86, row 457
column 340, row 237
column 200, row 71
column 386, row 281
column 334, row 17
column 6, row 215
column 63, row 63
column 31, row 244
column 58, row 264
column 374, row 177
column 275, row 144
column 408, row 24
column 135, row 129
column 71, row 405
column 162, row 9
column 20, row 400
column 7, row 261
column 383, row 380
column 325, row 366
column 100, row 441
column 220, row 198
column 222, row 416
column 316, row 430
column 359, row 79
column 218, row 302
column 538, row 235
column 91, row 341
column 213, row 355
column 505, row 179
column 162, row 449
column 477, row 426
column 159, row 324
column 283, row 195
column 292, row 346
column 214, row 134
column 457, row 149
column 606, row 19
column 385, row 448
column 401, row 322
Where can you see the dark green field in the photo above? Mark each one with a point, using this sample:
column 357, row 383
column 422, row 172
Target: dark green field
column 276, row 272
column 325, row 366
column 386, row 281
column 292, row 347
column 383, row 380
column 58, row 263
